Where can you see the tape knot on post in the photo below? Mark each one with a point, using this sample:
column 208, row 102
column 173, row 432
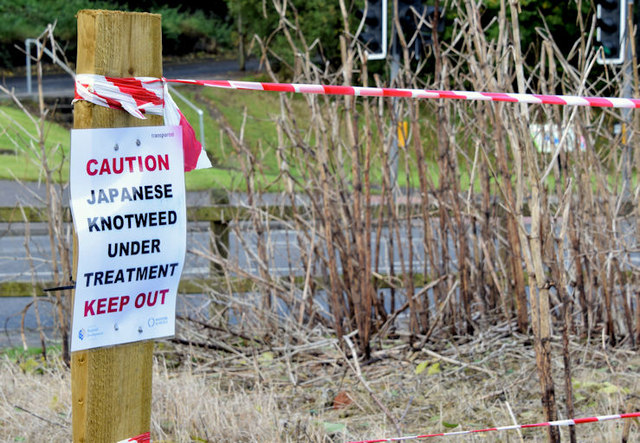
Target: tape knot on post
column 139, row 96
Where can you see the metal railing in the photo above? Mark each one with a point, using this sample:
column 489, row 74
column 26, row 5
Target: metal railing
column 175, row 92
column 27, row 46
column 220, row 218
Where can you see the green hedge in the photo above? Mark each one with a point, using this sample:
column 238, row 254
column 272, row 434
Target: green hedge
column 184, row 31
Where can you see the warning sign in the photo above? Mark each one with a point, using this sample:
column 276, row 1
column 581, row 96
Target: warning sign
column 128, row 206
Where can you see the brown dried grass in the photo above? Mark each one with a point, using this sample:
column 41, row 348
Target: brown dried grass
column 282, row 394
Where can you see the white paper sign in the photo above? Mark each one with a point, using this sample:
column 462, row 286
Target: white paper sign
column 128, row 206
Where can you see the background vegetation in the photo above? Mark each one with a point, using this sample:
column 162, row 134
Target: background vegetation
column 529, row 264
column 227, row 27
column 185, row 28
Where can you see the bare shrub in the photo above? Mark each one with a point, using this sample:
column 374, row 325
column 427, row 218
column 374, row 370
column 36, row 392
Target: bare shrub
column 31, row 142
column 484, row 244
column 487, row 225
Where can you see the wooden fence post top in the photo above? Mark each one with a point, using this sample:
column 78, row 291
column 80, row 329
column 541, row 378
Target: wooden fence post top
column 120, row 44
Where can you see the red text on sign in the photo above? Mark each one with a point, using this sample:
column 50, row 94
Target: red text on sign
column 105, row 305
column 119, row 165
column 150, row 298
column 109, row 305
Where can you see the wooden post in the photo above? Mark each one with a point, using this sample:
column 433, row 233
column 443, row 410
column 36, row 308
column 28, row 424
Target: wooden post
column 111, row 387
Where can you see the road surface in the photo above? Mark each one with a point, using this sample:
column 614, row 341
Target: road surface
column 61, row 85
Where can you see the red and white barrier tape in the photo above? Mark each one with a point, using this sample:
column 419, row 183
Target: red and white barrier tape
column 142, row 438
column 537, row 99
column 147, row 95
column 146, row 437
column 139, row 96
column 570, row 422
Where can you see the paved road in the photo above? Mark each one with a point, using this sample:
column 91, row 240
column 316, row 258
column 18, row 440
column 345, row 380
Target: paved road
column 14, row 266
column 61, row 85
column 283, row 250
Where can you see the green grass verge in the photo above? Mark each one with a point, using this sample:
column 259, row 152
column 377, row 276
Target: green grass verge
column 251, row 113
column 19, row 354
column 248, row 112
column 254, row 115
column 20, row 148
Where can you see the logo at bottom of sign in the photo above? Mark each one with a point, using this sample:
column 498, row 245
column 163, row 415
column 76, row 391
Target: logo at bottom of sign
column 89, row 333
column 157, row 321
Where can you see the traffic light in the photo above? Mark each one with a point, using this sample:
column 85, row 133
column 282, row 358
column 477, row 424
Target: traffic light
column 610, row 30
column 374, row 36
column 416, row 23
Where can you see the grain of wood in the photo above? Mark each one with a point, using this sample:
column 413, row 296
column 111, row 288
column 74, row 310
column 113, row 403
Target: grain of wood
column 111, row 387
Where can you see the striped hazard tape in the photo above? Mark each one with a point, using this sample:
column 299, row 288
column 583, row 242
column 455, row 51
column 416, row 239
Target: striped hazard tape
column 145, row 438
column 148, row 95
column 570, row 422
column 537, row 99
column 142, row 438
